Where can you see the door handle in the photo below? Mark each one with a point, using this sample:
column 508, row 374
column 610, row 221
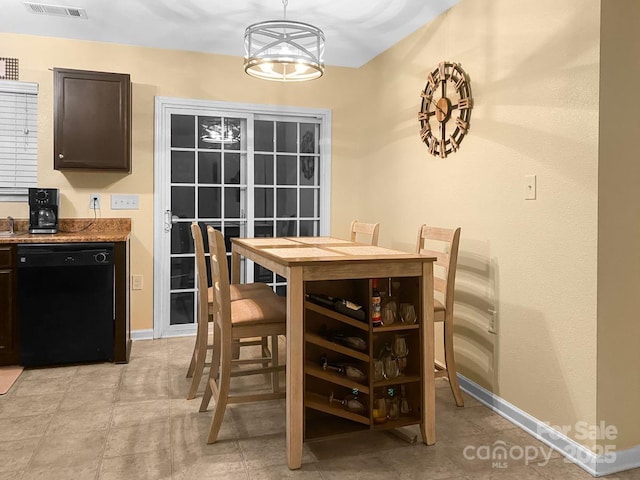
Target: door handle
column 169, row 220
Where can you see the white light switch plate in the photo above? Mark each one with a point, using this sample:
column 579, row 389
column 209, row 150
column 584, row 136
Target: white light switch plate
column 136, row 282
column 125, row 202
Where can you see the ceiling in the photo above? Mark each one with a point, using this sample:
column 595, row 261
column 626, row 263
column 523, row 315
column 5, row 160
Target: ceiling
column 355, row 30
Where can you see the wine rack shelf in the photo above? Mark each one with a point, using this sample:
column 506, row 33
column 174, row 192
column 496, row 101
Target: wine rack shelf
column 401, row 422
column 324, row 343
column 318, row 372
column 396, row 327
column 321, row 403
column 402, row 380
column 364, row 326
column 325, row 418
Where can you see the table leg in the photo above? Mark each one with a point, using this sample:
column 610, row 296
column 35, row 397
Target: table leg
column 235, row 278
column 428, row 424
column 295, row 362
column 235, row 266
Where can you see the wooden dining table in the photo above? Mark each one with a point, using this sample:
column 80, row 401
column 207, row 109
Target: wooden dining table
column 303, row 259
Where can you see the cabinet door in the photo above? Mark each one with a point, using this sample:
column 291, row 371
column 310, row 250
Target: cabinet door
column 8, row 328
column 92, row 116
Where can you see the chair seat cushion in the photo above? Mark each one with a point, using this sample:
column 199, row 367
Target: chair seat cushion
column 259, row 310
column 243, row 290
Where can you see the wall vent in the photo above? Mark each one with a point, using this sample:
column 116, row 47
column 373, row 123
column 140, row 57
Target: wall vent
column 57, row 10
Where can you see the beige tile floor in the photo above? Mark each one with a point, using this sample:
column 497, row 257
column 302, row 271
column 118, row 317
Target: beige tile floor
column 132, row 422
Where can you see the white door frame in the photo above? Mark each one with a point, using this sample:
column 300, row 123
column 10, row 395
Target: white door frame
column 164, row 106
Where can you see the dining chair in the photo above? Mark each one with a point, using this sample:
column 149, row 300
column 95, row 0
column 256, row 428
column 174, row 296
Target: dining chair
column 442, row 243
column 261, row 316
column 370, row 229
column 205, row 308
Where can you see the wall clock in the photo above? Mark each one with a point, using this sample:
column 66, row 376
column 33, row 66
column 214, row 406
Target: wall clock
column 445, row 109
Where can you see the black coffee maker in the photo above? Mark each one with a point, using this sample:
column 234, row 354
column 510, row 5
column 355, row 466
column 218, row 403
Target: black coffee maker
column 43, row 210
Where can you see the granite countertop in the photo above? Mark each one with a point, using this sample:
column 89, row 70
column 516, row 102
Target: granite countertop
column 72, row 230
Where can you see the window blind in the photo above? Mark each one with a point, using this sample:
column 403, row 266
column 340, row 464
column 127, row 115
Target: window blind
column 18, row 138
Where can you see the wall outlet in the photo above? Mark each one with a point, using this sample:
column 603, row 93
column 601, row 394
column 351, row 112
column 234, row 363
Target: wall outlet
column 94, row 201
column 136, row 282
column 125, row 202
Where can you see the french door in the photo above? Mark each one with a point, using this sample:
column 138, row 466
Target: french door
column 247, row 170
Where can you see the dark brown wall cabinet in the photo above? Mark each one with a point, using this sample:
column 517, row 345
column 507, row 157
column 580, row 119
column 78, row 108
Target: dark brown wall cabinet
column 92, row 120
column 9, row 350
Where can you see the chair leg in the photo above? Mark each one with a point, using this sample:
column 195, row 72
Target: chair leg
column 275, row 375
column 218, row 415
column 223, row 383
column 214, row 369
column 192, row 364
column 198, row 368
column 450, row 362
column 206, row 398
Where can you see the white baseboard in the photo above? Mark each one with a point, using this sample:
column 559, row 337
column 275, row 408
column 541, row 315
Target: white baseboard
column 596, row 465
column 148, row 334
column 142, row 334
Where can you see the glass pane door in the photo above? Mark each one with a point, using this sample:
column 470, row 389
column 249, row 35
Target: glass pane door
column 247, row 170
column 286, row 186
column 208, row 185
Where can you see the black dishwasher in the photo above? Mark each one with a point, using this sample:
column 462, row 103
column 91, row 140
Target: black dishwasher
column 65, row 303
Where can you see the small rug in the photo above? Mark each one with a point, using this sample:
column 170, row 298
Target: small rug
column 8, row 376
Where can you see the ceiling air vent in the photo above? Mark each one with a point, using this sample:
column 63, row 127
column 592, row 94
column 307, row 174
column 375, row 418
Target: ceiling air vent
column 57, row 10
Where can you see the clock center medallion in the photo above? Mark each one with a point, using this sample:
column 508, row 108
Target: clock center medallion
column 443, row 109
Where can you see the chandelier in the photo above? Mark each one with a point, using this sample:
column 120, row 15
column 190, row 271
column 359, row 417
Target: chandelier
column 284, row 50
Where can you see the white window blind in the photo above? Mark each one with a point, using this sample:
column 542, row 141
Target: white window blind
column 18, row 138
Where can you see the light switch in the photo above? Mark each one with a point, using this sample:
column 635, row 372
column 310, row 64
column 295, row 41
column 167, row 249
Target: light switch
column 529, row 187
column 136, row 282
column 124, row 202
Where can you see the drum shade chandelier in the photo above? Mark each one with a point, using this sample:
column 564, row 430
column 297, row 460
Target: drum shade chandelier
column 283, row 50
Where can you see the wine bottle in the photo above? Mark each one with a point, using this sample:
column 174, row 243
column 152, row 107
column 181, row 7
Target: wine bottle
column 376, row 311
column 350, row 371
column 343, row 338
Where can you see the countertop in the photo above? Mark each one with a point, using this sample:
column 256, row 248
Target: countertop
column 72, row 230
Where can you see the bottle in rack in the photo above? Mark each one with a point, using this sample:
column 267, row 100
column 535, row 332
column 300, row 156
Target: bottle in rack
column 388, row 304
column 376, row 310
column 405, row 409
column 393, row 404
column 379, row 413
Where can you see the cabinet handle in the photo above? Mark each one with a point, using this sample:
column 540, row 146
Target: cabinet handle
column 60, row 156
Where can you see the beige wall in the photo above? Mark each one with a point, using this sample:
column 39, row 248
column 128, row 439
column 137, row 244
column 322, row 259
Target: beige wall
column 534, row 68
column 156, row 72
column 619, row 223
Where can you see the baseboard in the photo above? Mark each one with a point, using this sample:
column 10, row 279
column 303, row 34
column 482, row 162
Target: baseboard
column 596, row 465
column 146, row 334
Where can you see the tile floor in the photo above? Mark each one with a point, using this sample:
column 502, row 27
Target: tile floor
column 132, row 422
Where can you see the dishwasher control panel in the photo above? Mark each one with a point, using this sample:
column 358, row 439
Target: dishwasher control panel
column 67, row 254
